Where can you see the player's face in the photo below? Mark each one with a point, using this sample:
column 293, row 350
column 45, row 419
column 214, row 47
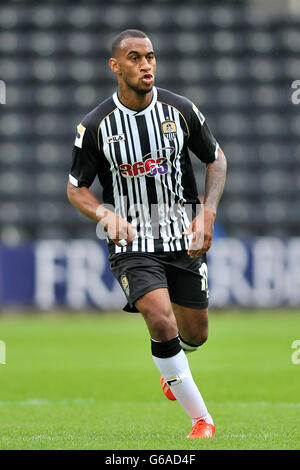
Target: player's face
column 136, row 65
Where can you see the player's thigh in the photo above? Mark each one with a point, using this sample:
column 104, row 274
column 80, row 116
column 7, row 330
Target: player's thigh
column 137, row 275
column 188, row 288
column 157, row 311
column 192, row 323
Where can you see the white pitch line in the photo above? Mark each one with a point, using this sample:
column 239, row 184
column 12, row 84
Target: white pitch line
column 88, row 401
column 42, row 402
column 255, row 403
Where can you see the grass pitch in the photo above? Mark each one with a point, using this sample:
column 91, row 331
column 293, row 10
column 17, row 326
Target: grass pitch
column 89, row 382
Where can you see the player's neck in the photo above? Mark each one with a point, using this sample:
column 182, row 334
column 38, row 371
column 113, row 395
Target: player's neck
column 133, row 100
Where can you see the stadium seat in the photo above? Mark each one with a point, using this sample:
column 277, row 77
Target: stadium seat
column 233, row 60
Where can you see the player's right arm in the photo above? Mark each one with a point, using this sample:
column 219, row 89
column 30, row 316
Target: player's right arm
column 85, row 166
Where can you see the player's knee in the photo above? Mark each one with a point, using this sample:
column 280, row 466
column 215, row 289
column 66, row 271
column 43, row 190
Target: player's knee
column 193, row 341
column 162, row 325
column 201, row 337
column 197, row 333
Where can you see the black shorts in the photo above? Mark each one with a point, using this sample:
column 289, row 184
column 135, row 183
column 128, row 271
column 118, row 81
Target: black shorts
column 139, row 273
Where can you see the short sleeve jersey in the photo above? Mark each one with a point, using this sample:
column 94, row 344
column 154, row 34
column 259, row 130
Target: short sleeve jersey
column 143, row 164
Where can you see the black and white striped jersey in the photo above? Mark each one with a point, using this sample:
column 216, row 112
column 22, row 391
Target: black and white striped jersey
column 143, row 164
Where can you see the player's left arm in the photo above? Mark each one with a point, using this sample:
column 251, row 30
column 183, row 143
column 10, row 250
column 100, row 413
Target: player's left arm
column 202, row 226
column 205, row 147
column 215, row 178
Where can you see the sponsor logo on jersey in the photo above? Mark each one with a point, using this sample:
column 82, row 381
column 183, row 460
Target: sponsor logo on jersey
column 79, row 135
column 169, row 129
column 125, row 284
column 150, row 167
column 114, row 139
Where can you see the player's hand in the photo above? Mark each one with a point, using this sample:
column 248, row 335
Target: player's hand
column 202, row 228
column 118, row 228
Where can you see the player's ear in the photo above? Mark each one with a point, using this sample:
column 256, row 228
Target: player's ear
column 113, row 63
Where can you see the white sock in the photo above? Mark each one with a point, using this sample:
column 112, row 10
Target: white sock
column 187, row 347
column 176, row 372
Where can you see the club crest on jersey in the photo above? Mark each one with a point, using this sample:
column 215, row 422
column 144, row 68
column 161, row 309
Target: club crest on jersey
column 79, row 136
column 114, row 139
column 169, row 129
column 125, row 284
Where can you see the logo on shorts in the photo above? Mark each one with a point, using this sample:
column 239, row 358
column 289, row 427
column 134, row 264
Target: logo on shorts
column 203, row 274
column 169, row 129
column 125, row 284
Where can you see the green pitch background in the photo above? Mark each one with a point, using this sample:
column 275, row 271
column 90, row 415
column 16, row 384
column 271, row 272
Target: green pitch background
column 89, row 382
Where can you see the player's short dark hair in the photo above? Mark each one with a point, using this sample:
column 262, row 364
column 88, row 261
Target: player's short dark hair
column 128, row 33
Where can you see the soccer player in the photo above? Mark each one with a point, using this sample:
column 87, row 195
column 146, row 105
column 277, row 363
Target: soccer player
column 137, row 143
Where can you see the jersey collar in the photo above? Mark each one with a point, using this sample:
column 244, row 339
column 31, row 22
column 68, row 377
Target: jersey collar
column 132, row 112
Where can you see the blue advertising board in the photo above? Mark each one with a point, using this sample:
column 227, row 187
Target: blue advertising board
column 75, row 274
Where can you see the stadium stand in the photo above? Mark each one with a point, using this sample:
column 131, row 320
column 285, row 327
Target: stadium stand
column 235, row 64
